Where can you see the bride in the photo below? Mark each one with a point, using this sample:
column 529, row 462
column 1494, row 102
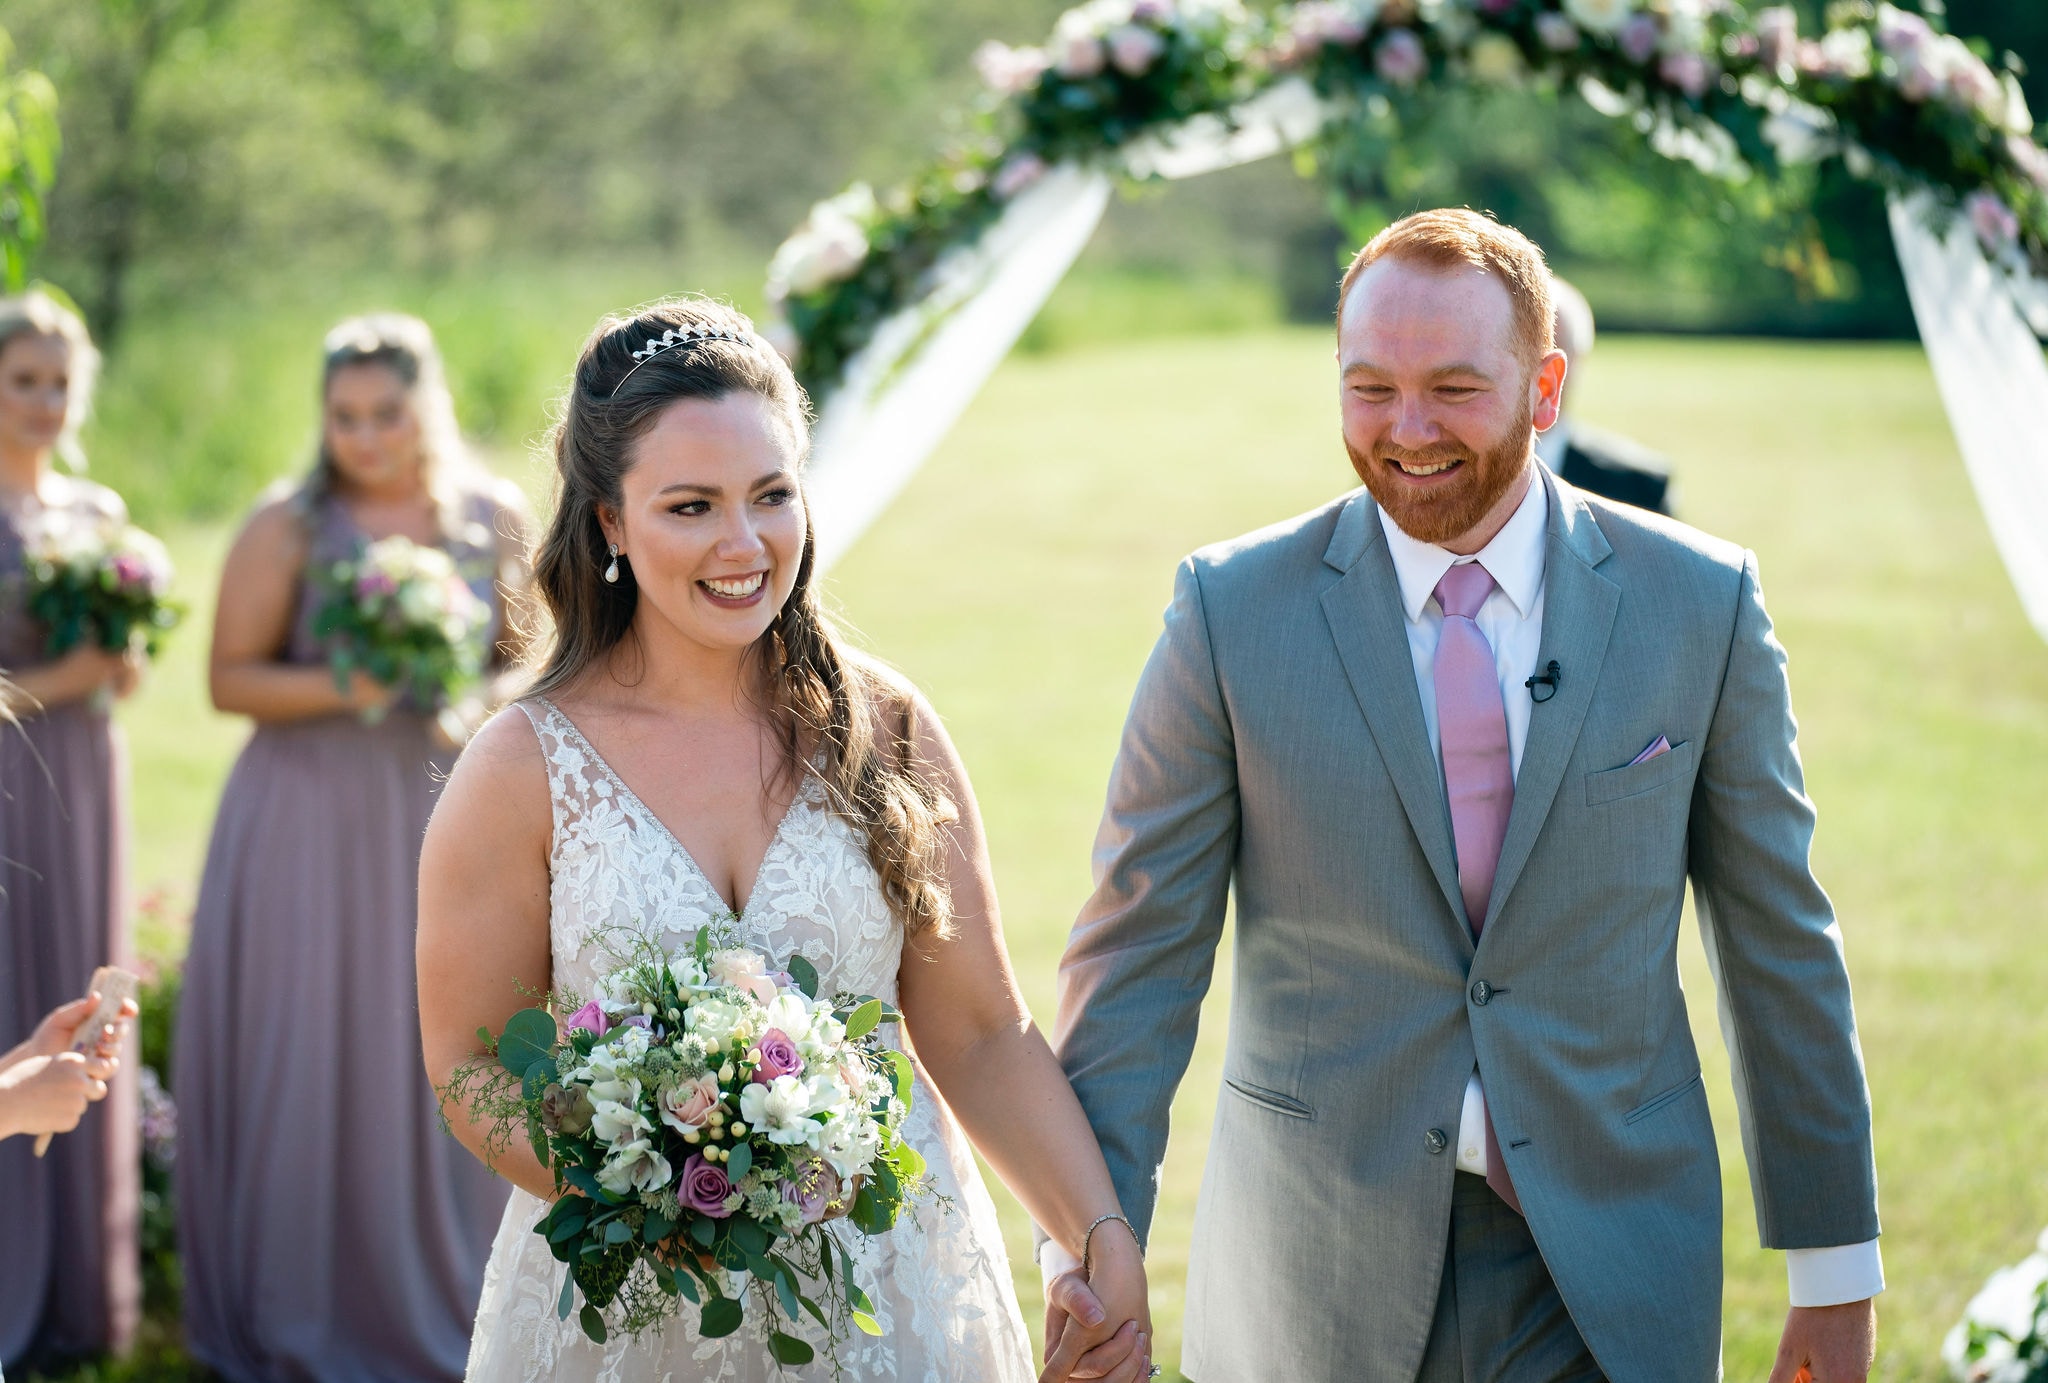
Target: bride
column 700, row 747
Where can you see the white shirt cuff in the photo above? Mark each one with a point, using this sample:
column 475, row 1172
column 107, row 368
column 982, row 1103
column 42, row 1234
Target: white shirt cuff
column 1836, row 1276
column 1053, row 1259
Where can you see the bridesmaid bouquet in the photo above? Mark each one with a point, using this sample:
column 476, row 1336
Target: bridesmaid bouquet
column 403, row 614
column 104, row 584
column 720, row 1120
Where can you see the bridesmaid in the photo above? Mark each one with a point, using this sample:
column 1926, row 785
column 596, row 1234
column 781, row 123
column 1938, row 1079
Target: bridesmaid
column 70, row 1277
column 331, row 1230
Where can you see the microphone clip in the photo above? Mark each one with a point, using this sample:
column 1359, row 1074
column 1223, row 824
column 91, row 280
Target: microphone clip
column 1550, row 679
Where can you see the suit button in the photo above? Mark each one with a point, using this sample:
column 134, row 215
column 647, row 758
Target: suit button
column 1436, row 1140
column 1482, row 993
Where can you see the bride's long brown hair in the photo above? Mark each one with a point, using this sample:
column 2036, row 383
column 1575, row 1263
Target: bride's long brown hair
column 835, row 712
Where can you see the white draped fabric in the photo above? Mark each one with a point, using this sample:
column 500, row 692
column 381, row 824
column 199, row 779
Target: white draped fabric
column 904, row 391
column 1994, row 384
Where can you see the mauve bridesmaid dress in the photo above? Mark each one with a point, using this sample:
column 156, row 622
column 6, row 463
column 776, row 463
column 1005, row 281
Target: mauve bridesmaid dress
column 70, row 1275
column 331, row 1229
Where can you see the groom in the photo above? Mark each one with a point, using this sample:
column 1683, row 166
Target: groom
column 1457, row 743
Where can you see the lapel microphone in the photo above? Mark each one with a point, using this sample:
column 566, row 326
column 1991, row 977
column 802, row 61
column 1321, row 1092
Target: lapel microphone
column 1550, row 679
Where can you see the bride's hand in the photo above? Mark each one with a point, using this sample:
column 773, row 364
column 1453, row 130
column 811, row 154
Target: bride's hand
column 1117, row 1348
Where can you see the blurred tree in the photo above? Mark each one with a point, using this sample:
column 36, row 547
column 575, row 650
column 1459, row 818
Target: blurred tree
column 28, row 162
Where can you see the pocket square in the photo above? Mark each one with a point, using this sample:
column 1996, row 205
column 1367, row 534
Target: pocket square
column 1660, row 745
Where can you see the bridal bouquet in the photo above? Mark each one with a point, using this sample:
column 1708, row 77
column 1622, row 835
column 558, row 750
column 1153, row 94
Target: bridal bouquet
column 403, row 614
column 105, row 584
column 720, row 1121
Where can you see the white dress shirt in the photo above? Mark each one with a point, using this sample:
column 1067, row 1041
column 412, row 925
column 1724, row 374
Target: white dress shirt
column 1512, row 621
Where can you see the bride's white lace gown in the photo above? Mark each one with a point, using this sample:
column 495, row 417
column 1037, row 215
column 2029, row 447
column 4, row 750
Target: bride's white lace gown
column 941, row 1284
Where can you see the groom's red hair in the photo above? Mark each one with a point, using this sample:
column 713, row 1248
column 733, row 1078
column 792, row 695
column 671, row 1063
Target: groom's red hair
column 1454, row 238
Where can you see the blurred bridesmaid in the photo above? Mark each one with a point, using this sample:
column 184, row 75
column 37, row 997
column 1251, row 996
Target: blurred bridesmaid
column 69, row 1271
column 330, row 1228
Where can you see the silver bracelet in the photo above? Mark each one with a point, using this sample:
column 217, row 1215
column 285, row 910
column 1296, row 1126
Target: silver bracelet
column 1088, row 1239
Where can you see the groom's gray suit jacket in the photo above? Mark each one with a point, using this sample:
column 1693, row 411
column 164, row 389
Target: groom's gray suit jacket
column 1276, row 744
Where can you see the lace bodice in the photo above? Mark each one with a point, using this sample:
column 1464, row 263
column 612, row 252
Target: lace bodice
column 940, row 1280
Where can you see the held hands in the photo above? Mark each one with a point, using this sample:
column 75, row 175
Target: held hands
column 1100, row 1327
column 1827, row 1344
column 366, row 695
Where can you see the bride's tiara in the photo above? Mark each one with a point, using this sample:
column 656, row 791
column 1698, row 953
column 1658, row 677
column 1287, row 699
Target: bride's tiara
column 682, row 336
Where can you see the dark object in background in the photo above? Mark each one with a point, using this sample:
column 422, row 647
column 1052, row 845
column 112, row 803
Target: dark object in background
column 1613, row 467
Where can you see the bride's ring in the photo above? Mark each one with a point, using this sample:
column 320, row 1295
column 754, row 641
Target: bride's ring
column 1152, row 1372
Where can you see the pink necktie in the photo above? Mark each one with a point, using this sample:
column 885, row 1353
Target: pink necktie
column 1479, row 776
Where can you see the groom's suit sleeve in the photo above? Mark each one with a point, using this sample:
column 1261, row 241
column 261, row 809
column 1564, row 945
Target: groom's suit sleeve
column 1775, row 948
column 1140, row 957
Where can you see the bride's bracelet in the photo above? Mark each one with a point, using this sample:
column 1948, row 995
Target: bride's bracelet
column 1088, row 1239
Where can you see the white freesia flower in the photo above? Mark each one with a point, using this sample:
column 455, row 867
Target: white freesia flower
column 628, row 1043
column 614, row 1122
column 850, row 1145
column 635, row 1166
column 782, row 1110
column 1601, row 16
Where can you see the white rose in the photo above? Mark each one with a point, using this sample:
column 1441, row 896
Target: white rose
column 1601, row 16
column 634, row 1167
column 714, row 1020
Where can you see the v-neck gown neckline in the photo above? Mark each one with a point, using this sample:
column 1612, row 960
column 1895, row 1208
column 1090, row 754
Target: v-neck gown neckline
column 653, row 818
column 619, row 878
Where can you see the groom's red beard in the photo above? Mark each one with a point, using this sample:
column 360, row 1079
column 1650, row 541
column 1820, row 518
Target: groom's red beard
column 1455, row 504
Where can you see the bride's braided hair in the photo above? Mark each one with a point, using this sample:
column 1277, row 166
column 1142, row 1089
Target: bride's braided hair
column 830, row 706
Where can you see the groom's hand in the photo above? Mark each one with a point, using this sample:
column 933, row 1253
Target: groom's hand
column 1827, row 1344
column 1119, row 1359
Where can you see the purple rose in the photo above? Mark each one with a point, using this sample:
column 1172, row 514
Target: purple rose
column 813, row 1190
column 1400, row 59
column 1640, row 37
column 1689, row 72
column 778, row 1057
column 590, row 1018
column 705, row 1187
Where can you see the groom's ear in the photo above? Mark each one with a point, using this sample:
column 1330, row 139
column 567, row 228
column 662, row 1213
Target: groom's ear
column 1546, row 388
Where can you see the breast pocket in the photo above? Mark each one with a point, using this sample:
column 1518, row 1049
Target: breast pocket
column 1633, row 780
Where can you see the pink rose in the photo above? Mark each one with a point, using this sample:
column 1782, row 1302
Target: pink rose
column 778, row 1056
column 1400, row 59
column 2031, row 158
column 1639, row 38
column 684, row 1106
column 1557, row 32
column 1009, row 71
column 1998, row 229
column 1777, row 34
column 1691, row 73
column 1018, row 172
column 1322, row 22
column 1903, row 34
column 372, row 584
column 1077, row 55
column 590, row 1018
column 744, row 970
column 705, row 1188
column 1133, row 49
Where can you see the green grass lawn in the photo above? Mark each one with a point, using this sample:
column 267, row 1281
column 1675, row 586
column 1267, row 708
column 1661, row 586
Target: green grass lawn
column 1020, row 581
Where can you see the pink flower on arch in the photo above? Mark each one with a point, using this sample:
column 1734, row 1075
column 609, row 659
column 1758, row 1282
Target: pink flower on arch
column 1400, row 58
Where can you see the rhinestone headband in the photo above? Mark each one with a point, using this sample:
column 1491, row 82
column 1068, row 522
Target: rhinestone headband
column 680, row 336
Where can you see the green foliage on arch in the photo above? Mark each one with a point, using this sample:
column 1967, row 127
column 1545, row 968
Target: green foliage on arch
column 28, row 163
column 1883, row 90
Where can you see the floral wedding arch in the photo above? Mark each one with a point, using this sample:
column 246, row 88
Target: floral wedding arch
column 896, row 307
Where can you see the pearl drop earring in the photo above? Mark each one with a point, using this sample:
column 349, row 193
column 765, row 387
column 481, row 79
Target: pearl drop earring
column 611, row 573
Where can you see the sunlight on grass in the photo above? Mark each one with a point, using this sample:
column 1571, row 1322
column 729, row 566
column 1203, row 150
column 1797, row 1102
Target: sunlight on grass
column 1020, row 580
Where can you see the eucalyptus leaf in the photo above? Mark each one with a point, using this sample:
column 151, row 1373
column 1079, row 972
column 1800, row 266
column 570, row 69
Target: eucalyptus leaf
column 529, row 1036
column 703, row 1231
column 788, row 1349
column 568, row 1296
column 748, row 1234
column 738, row 1160
column 867, row 1324
column 805, row 974
column 722, row 1316
column 593, row 1322
column 617, row 1232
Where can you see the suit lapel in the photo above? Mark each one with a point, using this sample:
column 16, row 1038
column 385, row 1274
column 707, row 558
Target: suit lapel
column 1371, row 632
column 1579, row 605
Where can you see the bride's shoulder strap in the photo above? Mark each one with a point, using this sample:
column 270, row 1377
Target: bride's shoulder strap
column 561, row 751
